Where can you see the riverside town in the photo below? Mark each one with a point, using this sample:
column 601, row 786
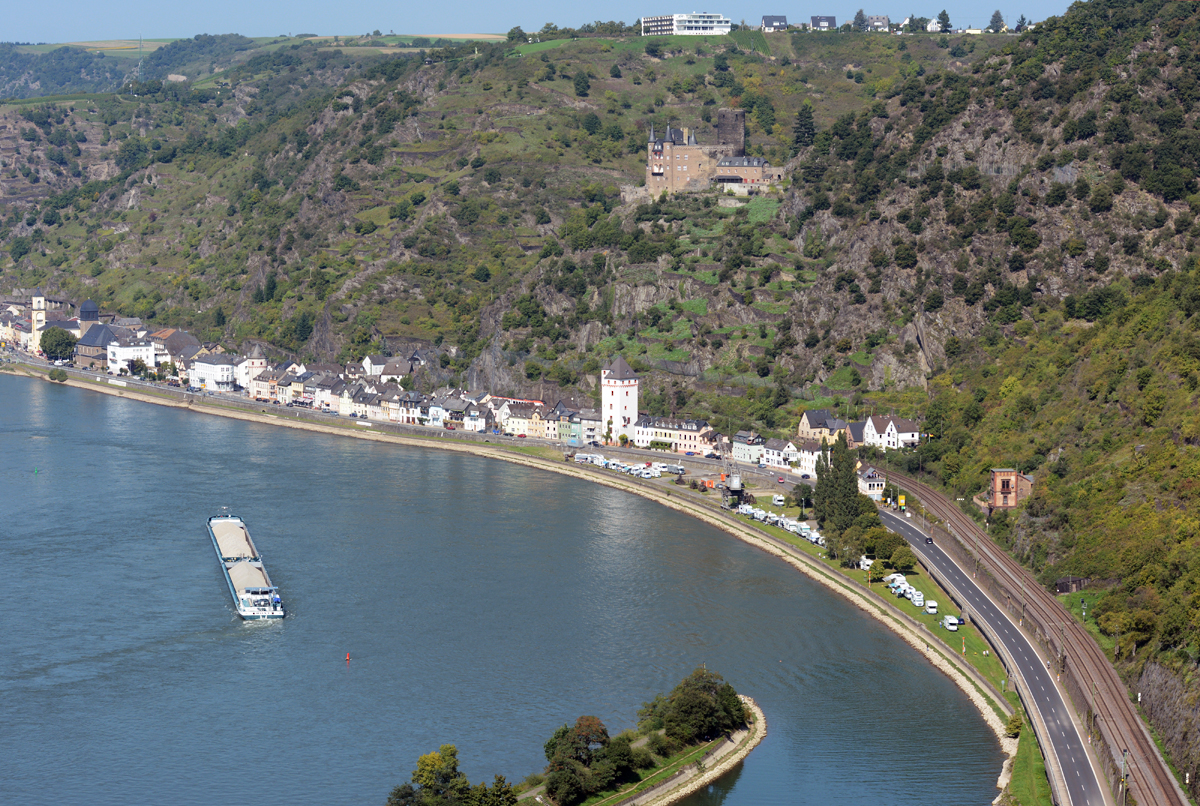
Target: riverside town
column 515, row 374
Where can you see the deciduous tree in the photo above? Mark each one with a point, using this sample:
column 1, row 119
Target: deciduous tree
column 57, row 343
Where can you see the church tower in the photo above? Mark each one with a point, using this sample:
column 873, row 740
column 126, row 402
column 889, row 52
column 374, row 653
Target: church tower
column 37, row 319
column 618, row 400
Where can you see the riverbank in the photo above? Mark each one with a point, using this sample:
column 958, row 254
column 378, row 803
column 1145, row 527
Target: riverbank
column 678, row 499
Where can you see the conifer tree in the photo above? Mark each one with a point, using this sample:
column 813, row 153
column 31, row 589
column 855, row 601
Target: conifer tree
column 944, row 21
column 860, row 21
column 805, row 130
column 997, row 22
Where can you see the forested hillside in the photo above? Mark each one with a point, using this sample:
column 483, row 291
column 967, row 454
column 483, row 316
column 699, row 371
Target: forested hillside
column 996, row 233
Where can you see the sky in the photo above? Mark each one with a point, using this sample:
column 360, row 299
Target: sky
column 84, row 20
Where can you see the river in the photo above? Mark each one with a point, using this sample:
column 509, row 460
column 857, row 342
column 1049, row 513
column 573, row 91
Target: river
column 482, row 604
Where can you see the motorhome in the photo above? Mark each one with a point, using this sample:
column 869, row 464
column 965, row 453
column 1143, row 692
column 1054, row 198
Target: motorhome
column 777, row 500
column 931, row 607
column 918, row 599
column 950, row 623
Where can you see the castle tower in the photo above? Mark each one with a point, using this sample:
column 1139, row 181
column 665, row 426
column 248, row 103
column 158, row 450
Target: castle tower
column 37, row 319
column 254, row 365
column 731, row 130
column 618, row 399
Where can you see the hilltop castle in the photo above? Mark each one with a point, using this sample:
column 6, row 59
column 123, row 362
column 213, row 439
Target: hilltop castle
column 677, row 162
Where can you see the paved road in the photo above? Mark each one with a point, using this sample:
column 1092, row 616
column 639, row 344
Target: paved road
column 1083, row 784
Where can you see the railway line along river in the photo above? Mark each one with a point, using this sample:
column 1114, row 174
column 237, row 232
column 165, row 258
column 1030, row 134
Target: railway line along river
column 482, row 603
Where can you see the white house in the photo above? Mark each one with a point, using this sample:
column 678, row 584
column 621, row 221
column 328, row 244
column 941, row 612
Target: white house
column 747, row 447
column 374, row 364
column 889, row 433
column 477, row 418
column 776, row 453
column 394, row 370
column 123, row 352
column 807, row 454
column 871, row 483
column 216, row 372
column 618, row 399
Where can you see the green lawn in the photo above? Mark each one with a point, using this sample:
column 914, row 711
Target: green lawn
column 535, row 47
column 1029, row 785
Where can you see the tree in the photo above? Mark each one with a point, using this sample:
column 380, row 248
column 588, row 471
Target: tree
column 804, row 131
column 614, row 71
column 997, row 23
column 57, row 344
column 903, row 559
column 515, row 34
column 1022, row 24
column 132, row 154
column 943, row 22
column 860, row 21
column 702, row 707
column 582, row 85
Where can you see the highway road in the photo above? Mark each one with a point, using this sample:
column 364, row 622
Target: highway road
column 1081, row 779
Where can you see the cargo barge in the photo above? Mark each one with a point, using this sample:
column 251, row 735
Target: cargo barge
column 253, row 594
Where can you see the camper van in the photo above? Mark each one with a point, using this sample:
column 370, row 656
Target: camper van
column 918, row 599
column 931, row 607
column 950, row 623
column 777, row 500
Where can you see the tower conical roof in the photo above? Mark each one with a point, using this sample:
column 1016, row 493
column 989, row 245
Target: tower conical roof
column 256, row 352
column 618, row 370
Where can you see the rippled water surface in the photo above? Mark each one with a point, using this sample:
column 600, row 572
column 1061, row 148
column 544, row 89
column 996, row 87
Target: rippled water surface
column 482, row 604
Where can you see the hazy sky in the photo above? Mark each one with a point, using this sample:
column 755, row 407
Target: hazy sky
column 75, row 20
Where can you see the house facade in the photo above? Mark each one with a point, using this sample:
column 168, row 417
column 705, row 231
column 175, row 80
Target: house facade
column 213, row 372
column 1008, row 487
column 871, row 483
column 889, row 433
column 819, row 424
column 772, row 24
column 748, row 447
column 823, row 23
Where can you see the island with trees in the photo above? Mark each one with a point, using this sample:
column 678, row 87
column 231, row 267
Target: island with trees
column 676, row 733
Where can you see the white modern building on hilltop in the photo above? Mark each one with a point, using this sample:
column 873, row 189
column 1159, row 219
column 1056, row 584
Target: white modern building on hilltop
column 698, row 23
column 618, row 400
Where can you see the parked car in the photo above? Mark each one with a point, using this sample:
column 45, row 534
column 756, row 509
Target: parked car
column 520, row 436
column 449, row 426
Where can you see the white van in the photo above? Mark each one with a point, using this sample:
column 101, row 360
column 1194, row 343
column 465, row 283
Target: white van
column 918, row 599
column 777, row 500
column 950, row 623
column 893, row 578
column 931, row 607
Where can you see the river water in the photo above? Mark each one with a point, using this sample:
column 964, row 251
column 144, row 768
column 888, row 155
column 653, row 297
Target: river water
column 482, row 604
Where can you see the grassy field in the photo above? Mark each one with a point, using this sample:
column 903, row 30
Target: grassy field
column 1029, row 785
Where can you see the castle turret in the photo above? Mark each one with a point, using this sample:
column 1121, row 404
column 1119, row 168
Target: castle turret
column 618, row 399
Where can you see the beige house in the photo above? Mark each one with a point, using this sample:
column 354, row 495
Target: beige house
column 819, row 424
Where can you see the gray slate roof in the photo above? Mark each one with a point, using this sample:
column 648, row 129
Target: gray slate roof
column 618, row 370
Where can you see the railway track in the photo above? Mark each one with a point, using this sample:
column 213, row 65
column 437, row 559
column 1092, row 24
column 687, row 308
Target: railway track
column 1097, row 685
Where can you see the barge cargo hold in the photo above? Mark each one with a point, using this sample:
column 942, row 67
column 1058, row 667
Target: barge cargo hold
column 253, row 594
